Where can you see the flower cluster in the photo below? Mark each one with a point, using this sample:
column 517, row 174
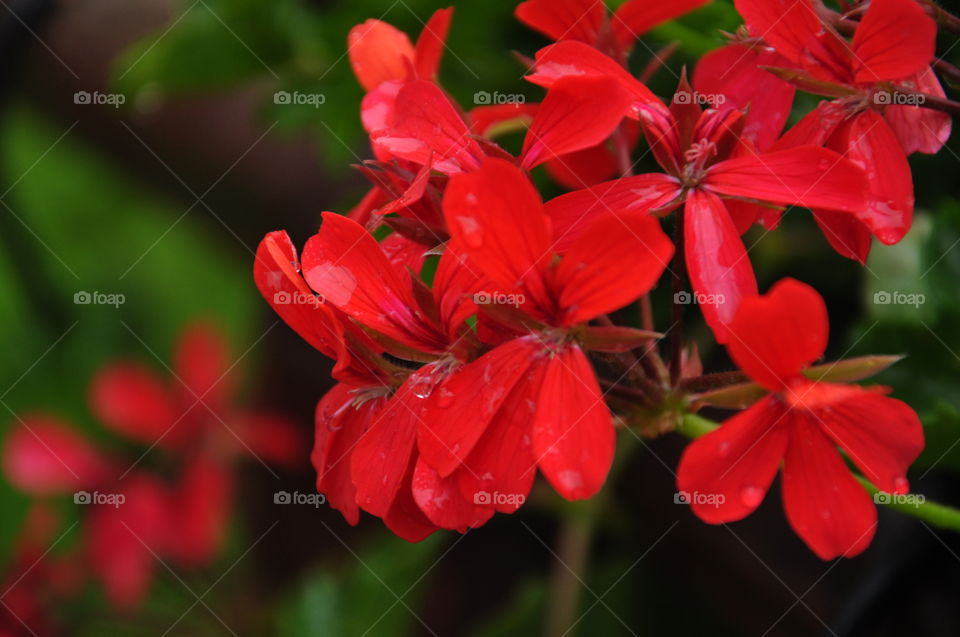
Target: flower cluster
column 133, row 513
column 470, row 321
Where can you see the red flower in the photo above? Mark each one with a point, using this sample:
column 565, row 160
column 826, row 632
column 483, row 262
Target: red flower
column 533, row 401
column 800, row 424
column 706, row 159
column 146, row 517
column 892, row 47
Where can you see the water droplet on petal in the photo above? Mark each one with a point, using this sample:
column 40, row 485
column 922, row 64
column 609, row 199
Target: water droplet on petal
column 723, row 449
column 751, row 496
column 900, row 485
column 445, row 398
column 472, row 232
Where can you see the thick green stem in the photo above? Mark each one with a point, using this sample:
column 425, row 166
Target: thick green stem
column 915, row 505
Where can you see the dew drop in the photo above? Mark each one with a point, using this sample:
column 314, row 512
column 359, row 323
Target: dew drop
column 900, row 485
column 751, row 496
column 723, row 449
column 445, row 398
column 472, row 233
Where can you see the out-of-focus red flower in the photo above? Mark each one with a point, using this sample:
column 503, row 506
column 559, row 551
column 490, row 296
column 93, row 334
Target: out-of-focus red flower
column 136, row 517
column 800, row 424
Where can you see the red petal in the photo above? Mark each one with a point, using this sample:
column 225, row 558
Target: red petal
column 461, row 408
column 895, row 39
column 133, row 401
column 825, row 505
column 573, row 212
column 803, row 176
column 617, row 258
column 584, row 168
column 271, row 438
column 920, row 130
column 501, row 468
column 577, row 59
column 573, row 435
column 870, row 144
column 881, row 435
column 405, row 518
column 495, row 216
column 347, row 267
column 776, row 335
column 277, row 275
column 490, row 120
column 431, row 43
column 202, row 365
column 443, row 504
column 382, row 457
column 453, row 285
column 202, row 503
column 338, row 427
column 725, row 474
column 846, row 234
column 720, row 271
column 123, row 540
column 45, row 456
column 377, row 111
column 425, row 124
column 794, row 30
column 733, row 72
column 379, row 52
column 636, row 17
column 577, row 113
column 564, row 19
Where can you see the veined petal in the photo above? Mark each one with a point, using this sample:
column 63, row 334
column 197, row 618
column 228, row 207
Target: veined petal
column 573, row 434
column 383, row 456
column 895, row 39
column 443, row 504
column 614, row 261
column 846, row 234
column 379, row 52
column 430, row 44
column 426, row 124
column 461, row 408
column 777, row 334
column 339, row 426
column 405, row 518
column 577, row 113
column 720, row 270
column 881, row 435
column 804, row 176
column 564, row 19
column 920, row 130
column 636, row 17
column 495, row 216
column 348, row 268
column 734, row 72
column 825, row 504
column 868, row 142
column 573, row 212
column 725, row 474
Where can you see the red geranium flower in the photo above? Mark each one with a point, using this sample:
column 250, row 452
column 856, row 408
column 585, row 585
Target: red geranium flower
column 800, row 425
column 891, row 48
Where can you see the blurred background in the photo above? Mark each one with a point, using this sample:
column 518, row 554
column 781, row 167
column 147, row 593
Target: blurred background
column 142, row 157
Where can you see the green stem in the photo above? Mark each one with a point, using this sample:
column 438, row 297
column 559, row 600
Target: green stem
column 939, row 515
